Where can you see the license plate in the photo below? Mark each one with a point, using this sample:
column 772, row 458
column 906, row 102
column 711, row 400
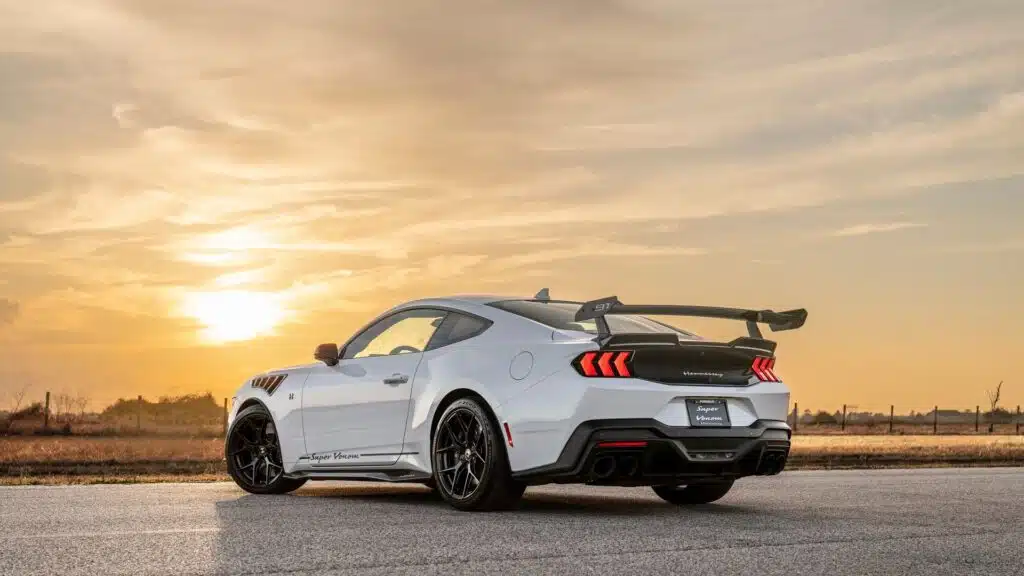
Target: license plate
column 707, row 412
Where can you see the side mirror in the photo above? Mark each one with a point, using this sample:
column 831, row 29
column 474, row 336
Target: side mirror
column 327, row 353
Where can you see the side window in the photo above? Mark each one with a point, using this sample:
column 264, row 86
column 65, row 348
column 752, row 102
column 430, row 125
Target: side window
column 456, row 328
column 406, row 332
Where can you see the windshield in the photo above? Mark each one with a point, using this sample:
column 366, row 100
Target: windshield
column 561, row 316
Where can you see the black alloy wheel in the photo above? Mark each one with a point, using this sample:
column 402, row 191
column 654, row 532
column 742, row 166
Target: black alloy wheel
column 254, row 454
column 470, row 465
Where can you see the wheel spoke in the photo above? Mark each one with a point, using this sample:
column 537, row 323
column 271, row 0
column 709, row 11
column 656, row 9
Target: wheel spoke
column 455, row 483
column 452, row 431
column 479, row 436
column 263, row 432
column 465, row 483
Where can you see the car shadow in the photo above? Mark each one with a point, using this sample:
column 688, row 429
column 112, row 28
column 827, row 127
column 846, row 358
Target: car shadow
column 534, row 502
column 333, row 527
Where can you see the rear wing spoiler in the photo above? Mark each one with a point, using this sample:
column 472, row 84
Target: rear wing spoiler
column 777, row 321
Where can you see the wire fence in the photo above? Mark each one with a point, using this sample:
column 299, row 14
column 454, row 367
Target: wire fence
column 206, row 417
column 849, row 420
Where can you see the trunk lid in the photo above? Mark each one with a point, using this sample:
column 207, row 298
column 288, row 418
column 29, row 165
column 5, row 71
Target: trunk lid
column 666, row 359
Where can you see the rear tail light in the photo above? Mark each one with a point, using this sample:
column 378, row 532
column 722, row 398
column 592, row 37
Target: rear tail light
column 604, row 364
column 764, row 368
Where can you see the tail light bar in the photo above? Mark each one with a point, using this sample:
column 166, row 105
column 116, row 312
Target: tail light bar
column 619, row 364
column 615, row 364
column 764, row 368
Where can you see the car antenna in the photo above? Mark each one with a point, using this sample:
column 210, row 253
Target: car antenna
column 542, row 295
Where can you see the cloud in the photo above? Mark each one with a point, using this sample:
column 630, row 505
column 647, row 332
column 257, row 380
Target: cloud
column 407, row 146
column 989, row 247
column 876, row 228
column 9, row 310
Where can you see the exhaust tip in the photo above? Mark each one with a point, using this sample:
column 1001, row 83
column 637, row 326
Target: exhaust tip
column 772, row 463
column 603, row 467
column 628, row 465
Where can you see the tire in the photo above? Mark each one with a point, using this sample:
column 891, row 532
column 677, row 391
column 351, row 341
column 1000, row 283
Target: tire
column 467, row 447
column 694, row 493
column 253, row 454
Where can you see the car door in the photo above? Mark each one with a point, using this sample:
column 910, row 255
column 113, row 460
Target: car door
column 354, row 413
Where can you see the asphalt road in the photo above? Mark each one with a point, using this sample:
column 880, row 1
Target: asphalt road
column 929, row 522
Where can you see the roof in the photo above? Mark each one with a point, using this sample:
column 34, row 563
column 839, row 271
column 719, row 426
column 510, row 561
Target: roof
column 480, row 298
column 473, row 299
column 488, row 298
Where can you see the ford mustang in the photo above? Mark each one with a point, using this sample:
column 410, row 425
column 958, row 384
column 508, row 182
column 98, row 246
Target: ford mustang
column 479, row 397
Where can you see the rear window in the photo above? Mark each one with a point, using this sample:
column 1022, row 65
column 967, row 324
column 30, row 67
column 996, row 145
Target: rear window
column 561, row 316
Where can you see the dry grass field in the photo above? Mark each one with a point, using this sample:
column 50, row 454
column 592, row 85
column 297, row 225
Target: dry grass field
column 900, row 451
column 980, row 446
column 19, row 449
column 61, row 460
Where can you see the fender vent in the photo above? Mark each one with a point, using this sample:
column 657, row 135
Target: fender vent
column 269, row 383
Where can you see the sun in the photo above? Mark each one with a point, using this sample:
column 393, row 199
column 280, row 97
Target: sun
column 234, row 315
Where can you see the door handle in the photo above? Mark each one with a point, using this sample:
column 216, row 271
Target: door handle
column 396, row 379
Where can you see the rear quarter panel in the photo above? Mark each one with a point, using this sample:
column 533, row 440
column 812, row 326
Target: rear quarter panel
column 505, row 361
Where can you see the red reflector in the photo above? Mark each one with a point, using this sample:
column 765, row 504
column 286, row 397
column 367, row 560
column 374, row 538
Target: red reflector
column 621, row 444
column 605, row 363
column 508, row 434
column 588, row 364
column 620, row 364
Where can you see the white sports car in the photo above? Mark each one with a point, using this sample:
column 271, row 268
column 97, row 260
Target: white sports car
column 481, row 396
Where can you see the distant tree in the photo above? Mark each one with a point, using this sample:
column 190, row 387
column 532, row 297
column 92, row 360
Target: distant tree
column 16, row 399
column 993, row 399
column 187, row 409
column 823, row 417
column 81, row 403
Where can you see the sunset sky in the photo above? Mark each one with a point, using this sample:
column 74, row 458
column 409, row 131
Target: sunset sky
column 195, row 191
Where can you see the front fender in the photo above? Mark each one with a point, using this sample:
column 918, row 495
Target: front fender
column 285, row 407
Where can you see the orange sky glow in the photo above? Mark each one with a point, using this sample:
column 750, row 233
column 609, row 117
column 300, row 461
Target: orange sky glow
column 193, row 192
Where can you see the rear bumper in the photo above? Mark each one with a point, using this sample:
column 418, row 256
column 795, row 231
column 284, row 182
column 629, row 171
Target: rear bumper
column 644, row 452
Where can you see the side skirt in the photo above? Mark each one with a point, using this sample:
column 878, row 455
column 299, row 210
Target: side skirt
column 363, row 474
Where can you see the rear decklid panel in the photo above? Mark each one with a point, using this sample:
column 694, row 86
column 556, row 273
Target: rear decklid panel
column 686, row 363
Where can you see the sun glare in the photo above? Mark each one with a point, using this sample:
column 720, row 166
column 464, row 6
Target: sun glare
column 234, row 315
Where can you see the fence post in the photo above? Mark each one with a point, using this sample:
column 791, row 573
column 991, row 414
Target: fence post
column 224, row 426
column 796, row 416
column 844, row 417
column 892, row 411
column 46, row 413
column 977, row 419
column 138, row 416
column 1018, row 419
column 935, row 421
